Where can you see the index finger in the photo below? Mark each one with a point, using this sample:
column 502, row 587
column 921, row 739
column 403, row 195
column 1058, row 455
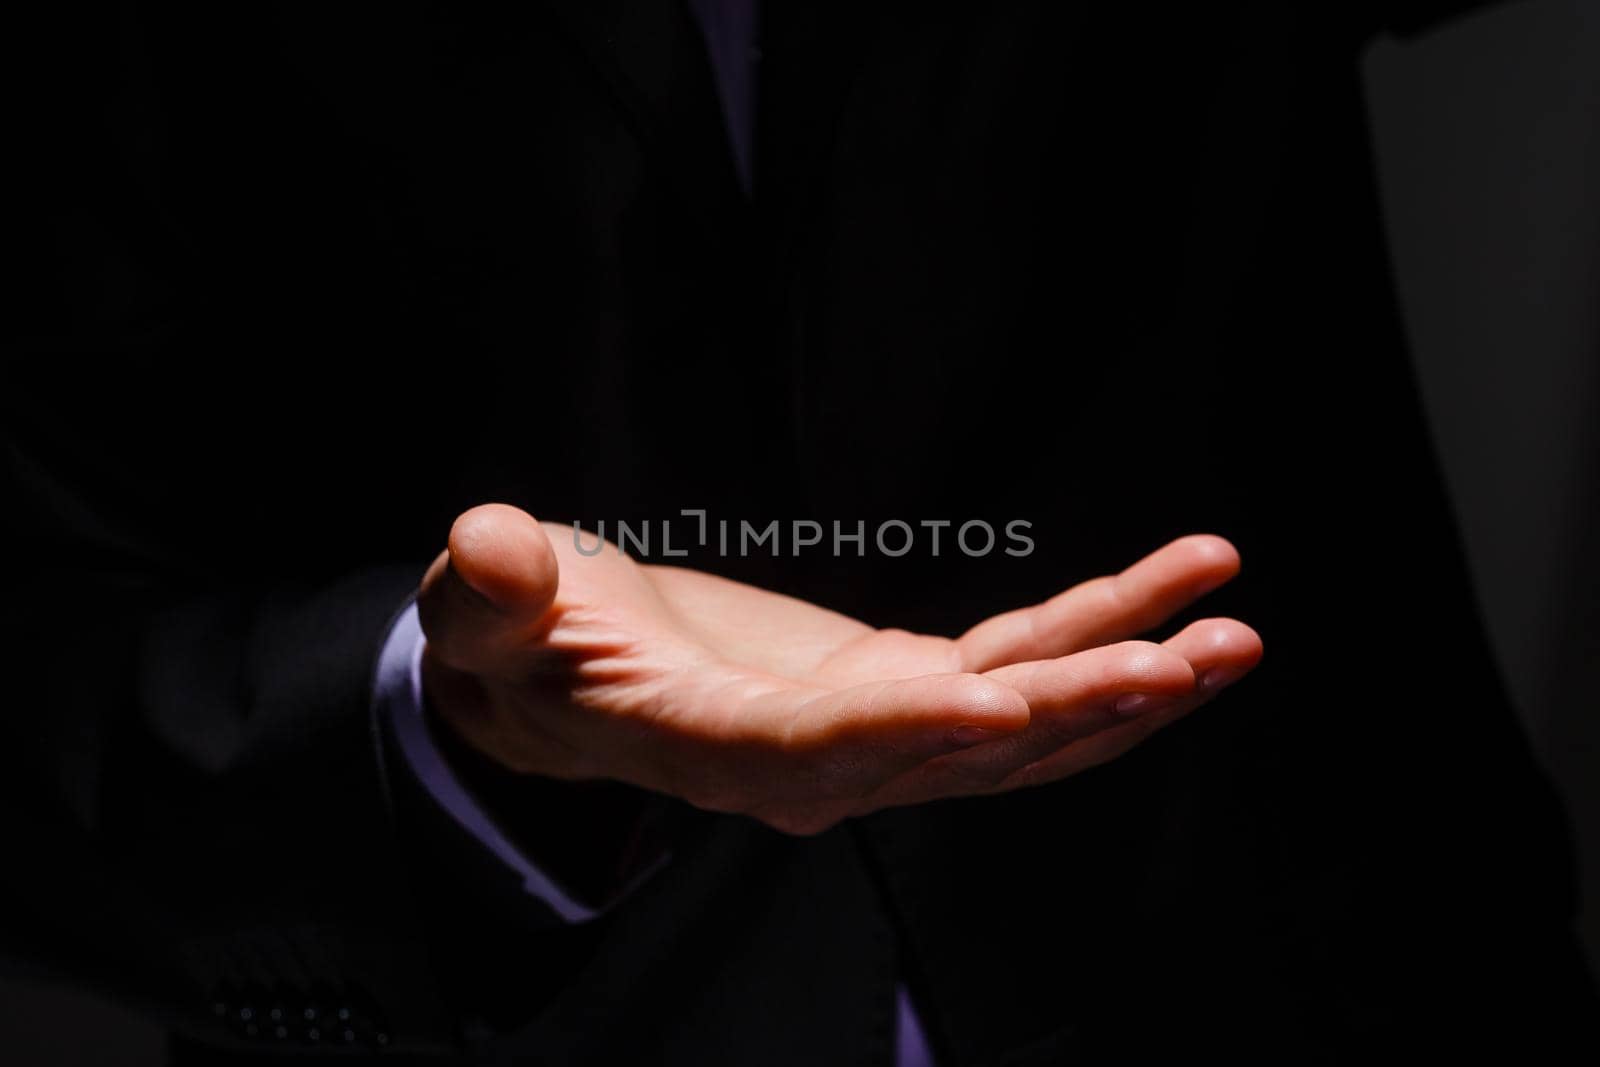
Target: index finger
column 1106, row 609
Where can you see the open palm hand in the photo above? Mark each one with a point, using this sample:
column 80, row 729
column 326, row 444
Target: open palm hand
column 737, row 699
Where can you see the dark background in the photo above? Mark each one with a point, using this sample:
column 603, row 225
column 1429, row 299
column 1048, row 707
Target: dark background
column 1486, row 136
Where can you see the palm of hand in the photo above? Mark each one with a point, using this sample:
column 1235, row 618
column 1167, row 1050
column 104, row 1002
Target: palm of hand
column 743, row 700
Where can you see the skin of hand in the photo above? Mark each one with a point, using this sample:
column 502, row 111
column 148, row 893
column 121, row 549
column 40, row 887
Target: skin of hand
column 735, row 699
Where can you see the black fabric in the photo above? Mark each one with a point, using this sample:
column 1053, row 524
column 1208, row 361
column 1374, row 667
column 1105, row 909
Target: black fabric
column 304, row 281
column 623, row 834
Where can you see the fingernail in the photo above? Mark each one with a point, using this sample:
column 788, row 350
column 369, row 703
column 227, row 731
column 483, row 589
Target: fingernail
column 1218, row 677
column 967, row 736
column 1140, row 703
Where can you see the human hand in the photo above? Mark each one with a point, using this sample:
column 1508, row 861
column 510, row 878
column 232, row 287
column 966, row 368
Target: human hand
column 736, row 699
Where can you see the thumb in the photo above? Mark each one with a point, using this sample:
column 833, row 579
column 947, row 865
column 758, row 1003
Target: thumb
column 483, row 601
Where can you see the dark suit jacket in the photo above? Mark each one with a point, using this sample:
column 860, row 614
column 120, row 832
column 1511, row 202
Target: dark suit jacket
column 306, row 280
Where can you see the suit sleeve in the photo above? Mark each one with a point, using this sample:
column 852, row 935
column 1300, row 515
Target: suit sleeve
column 214, row 820
column 212, row 517
column 197, row 788
column 620, row 833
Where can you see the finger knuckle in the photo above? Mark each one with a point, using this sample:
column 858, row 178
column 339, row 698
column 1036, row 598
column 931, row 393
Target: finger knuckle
column 800, row 822
column 958, row 776
column 714, row 790
column 720, row 799
column 845, row 773
column 1146, row 659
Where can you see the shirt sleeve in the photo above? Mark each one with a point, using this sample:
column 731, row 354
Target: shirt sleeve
column 399, row 700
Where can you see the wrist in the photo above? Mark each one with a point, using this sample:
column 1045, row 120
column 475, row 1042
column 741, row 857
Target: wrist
column 593, row 837
column 473, row 712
